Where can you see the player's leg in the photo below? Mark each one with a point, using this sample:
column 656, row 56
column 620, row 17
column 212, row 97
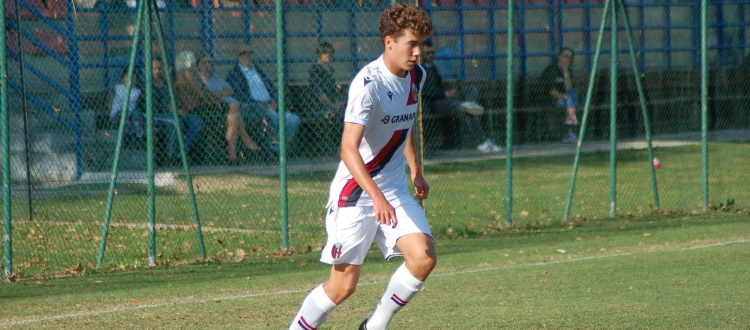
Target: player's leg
column 350, row 233
column 419, row 254
column 418, row 251
column 322, row 300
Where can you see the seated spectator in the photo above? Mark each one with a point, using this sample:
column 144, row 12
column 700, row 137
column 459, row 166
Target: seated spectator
column 327, row 96
column 164, row 118
column 254, row 88
column 201, row 93
column 451, row 103
column 134, row 120
column 559, row 82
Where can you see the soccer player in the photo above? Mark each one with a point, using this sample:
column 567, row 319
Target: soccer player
column 369, row 197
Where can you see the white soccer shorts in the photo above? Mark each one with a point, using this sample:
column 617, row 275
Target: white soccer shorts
column 351, row 231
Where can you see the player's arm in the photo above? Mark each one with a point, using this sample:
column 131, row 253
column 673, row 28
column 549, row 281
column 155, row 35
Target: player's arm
column 350, row 141
column 421, row 188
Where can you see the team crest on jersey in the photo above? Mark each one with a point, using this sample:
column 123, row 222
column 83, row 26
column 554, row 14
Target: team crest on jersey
column 414, row 93
column 336, row 251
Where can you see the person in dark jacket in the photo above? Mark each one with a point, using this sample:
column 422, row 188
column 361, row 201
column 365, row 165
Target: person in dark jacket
column 327, row 96
column 559, row 80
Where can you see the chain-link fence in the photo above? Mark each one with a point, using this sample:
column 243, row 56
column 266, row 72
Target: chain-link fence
column 258, row 180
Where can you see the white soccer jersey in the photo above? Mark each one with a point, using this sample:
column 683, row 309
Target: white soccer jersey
column 387, row 105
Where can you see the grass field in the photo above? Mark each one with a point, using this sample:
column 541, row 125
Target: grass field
column 240, row 210
column 667, row 271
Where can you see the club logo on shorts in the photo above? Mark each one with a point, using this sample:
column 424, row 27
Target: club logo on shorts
column 336, row 251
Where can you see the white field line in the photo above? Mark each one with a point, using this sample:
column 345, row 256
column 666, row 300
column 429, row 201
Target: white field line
column 146, row 225
column 278, row 293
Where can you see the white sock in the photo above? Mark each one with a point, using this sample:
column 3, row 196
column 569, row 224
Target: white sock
column 314, row 311
column 401, row 289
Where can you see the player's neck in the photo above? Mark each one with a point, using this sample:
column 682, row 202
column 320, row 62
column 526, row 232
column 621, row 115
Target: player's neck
column 393, row 67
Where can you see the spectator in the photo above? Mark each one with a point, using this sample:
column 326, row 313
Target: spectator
column 558, row 78
column 203, row 94
column 326, row 94
column 134, row 122
column 451, row 103
column 164, row 119
column 253, row 87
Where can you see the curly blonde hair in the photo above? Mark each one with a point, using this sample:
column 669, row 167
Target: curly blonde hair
column 396, row 19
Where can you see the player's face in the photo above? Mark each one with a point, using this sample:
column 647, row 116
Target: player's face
column 402, row 53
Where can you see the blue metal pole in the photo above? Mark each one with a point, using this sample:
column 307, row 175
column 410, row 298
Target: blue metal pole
column 75, row 89
column 27, row 138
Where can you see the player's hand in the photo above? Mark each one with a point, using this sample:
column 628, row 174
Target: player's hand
column 384, row 213
column 421, row 188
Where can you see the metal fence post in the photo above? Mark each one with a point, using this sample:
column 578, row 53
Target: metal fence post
column 5, row 132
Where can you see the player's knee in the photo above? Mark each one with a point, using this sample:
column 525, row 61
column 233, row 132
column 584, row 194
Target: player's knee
column 422, row 266
column 339, row 293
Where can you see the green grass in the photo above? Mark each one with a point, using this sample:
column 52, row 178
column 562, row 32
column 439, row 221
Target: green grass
column 660, row 271
column 467, row 200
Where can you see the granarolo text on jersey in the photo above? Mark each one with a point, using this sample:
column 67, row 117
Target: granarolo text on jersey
column 398, row 119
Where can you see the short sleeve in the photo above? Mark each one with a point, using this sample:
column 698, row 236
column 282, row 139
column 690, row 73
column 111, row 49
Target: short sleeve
column 360, row 105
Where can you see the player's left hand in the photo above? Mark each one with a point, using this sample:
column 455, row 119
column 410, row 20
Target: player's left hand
column 421, row 188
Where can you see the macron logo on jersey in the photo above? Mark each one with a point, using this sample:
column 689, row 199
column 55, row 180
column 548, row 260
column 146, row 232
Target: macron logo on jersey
column 390, row 95
column 368, row 80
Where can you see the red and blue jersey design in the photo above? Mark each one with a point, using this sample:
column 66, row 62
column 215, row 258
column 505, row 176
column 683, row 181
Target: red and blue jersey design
column 351, row 192
column 387, row 106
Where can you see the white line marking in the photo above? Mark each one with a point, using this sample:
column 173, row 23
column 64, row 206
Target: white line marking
column 278, row 293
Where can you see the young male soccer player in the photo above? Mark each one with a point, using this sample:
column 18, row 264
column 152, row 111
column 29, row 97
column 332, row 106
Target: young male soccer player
column 369, row 198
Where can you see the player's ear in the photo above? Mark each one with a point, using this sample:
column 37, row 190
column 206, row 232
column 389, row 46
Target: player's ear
column 388, row 41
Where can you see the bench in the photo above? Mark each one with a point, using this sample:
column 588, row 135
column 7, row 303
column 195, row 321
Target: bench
column 320, row 131
column 672, row 100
